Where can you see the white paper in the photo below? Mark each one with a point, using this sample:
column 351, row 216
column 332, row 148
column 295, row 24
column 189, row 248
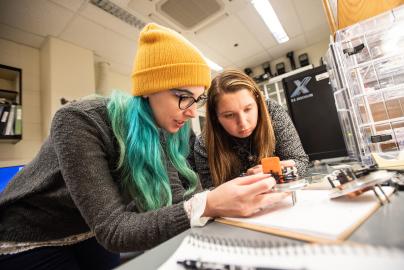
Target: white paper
column 305, row 256
column 314, row 214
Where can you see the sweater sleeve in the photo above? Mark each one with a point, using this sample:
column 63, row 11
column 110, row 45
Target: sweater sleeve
column 80, row 145
column 288, row 145
column 201, row 163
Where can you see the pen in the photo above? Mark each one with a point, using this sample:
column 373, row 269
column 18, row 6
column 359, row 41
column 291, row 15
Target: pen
column 203, row 265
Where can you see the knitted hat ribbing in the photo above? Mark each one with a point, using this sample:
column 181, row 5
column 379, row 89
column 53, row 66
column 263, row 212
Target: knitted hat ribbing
column 164, row 60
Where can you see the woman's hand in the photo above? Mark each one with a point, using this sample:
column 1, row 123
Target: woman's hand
column 254, row 170
column 288, row 163
column 242, row 197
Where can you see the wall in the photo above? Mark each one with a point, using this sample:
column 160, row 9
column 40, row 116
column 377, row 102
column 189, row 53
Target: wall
column 315, row 52
column 108, row 80
column 120, row 82
column 68, row 72
column 26, row 58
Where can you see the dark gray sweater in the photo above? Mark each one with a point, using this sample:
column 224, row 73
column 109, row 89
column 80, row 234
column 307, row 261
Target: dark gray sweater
column 72, row 187
column 288, row 146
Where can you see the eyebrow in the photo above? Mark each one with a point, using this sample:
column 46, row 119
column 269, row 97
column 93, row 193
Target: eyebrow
column 183, row 91
column 248, row 105
column 226, row 112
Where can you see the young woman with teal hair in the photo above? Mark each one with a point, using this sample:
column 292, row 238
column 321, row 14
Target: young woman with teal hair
column 144, row 175
column 113, row 175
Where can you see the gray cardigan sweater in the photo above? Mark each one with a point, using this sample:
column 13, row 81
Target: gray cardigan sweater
column 288, row 146
column 72, row 187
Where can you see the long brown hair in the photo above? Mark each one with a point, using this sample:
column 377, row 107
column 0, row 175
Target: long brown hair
column 221, row 157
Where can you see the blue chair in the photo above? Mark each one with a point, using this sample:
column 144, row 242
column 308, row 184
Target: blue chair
column 7, row 173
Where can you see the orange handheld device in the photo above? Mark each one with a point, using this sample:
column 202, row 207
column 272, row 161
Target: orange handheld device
column 271, row 165
column 286, row 178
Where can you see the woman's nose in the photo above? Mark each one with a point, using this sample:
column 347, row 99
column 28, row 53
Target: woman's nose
column 191, row 111
column 243, row 121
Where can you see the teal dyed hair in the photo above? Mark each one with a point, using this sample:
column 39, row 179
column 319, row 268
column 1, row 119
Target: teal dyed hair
column 141, row 163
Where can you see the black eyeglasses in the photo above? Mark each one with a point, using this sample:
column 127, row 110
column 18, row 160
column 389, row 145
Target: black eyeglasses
column 185, row 101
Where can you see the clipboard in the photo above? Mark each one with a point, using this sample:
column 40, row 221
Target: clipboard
column 315, row 218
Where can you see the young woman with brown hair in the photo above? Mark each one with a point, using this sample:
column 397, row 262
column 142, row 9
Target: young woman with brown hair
column 242, row 128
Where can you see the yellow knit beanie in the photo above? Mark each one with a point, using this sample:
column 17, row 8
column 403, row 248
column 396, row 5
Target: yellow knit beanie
column 166, row 60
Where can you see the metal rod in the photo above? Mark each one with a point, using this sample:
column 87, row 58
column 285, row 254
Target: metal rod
column 294, row 197
column 378, row 197
column 380, row 188
column 330, row 181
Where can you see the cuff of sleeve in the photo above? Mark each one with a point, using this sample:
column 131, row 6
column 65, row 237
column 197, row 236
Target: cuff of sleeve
column 195, row 208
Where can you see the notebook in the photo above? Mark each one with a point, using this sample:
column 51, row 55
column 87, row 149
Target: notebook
column 315, row 217
column 278, row 255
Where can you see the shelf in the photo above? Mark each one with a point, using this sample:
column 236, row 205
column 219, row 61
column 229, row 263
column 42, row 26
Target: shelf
column 8, row 91
column 371, row 62
column 372, row 26
column 390, row 89
column 371, row 90
column 10, row 138
column 11, row 103
column 8, row 94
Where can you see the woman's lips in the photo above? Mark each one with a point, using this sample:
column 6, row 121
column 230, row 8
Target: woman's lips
column 244, row 132
column 179, row 123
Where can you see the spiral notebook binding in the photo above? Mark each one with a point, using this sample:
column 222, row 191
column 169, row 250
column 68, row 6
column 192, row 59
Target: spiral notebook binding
column 283, row 248
column 237, row 246
column 198, row 239
column 238, row 253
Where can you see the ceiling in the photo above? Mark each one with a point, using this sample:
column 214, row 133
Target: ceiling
column 80, row 22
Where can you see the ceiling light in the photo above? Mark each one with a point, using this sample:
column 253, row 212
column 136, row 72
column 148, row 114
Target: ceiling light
column 268, row 14
column 119, row 13
column 213, row 65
